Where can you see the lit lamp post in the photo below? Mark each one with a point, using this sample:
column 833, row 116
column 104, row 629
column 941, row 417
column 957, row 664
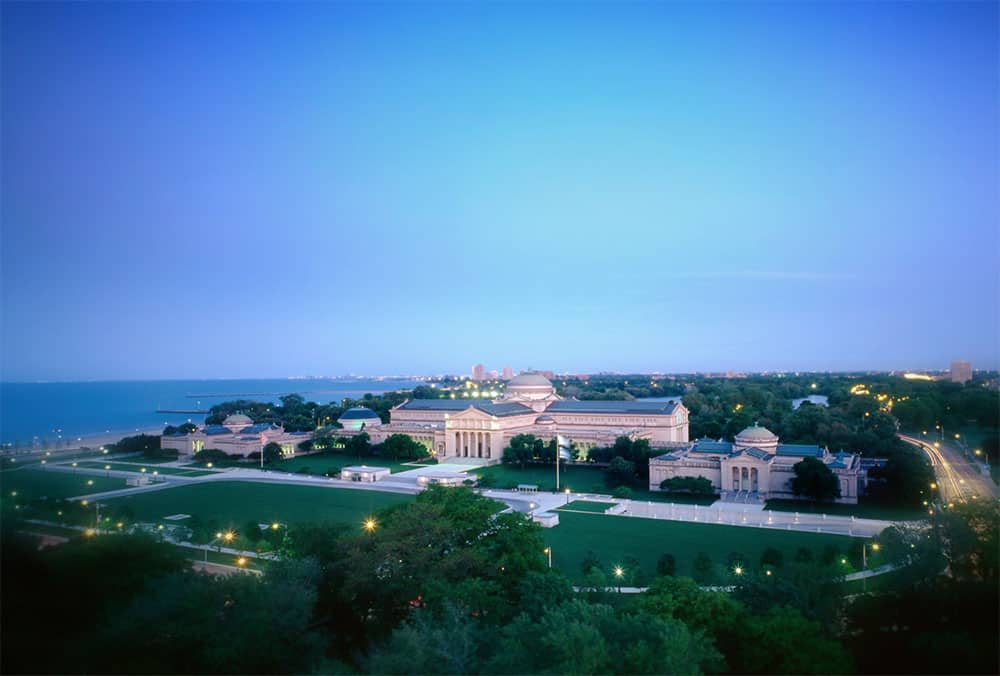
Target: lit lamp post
column 567, row 496
column 619, row 574
column 370, row 525
column 548, row 553
column 864, row 563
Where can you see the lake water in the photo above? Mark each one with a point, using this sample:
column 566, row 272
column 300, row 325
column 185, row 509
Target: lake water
column 818, row 399
column 53, row 411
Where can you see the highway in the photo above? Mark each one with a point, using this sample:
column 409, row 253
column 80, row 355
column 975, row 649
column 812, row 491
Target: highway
column 958, row 478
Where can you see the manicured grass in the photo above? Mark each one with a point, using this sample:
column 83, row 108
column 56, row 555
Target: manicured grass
column 31, row 484
column 613, row 538
column 126, row 467
column 861, row 510
column 587, row 506
column 236, row 502
column 576, row 478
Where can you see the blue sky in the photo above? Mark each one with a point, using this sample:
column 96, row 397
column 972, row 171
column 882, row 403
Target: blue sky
column 251, row 189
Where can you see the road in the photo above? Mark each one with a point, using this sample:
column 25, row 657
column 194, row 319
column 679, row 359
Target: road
column 958, row 478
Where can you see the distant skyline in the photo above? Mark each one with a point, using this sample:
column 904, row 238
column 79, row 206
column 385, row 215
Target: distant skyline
column 253, row 190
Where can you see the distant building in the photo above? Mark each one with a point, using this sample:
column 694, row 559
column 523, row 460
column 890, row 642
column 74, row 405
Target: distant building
column 548, row 374
column 508, row 373
column 494, row 374
column 237, row 435
column 755, row 467
column 479, row 372
column 961, row 371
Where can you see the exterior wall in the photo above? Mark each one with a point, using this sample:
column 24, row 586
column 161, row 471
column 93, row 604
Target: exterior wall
column 773, row 479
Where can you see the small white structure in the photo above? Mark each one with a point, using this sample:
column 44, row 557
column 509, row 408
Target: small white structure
column 546, row 519
column 444, row 479
column 364, row 473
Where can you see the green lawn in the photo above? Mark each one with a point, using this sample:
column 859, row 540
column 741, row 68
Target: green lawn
column 236, row 502
column 862, row 510
column 127, row 467
column 586, row 506
column 576, row 478
column 613, row 538
column 32, row 484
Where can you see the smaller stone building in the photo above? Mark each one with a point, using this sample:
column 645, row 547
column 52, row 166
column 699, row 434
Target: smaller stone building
column 755, row 466
column 237, row 435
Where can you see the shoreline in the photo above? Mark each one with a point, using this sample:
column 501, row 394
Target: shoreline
column 80, row 441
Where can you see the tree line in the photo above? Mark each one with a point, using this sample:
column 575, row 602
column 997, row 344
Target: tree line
column 446, row 584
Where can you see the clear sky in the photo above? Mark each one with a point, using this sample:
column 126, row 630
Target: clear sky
column 252, row 189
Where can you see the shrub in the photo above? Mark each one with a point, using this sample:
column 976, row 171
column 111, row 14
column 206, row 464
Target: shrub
column 666, row 565
column 623, row 493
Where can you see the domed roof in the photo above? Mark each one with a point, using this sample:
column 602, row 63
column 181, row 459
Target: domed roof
column 529, row 380
column 756, row 433
column 237, row 419
column 359, row 413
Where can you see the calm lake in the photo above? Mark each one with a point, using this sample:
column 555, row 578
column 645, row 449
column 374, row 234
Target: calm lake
column 56, row 411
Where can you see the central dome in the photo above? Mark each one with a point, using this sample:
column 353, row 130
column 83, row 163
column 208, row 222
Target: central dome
column 532, row 389
column 756, row 434
column 532, row 380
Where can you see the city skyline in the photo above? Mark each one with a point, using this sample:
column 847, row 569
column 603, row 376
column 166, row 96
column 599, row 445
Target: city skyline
column 196, row 190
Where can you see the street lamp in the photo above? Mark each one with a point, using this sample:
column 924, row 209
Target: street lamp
column 864, row 562
column 548, row 552
column 619, row 574
column 567, row 495
column 738, row 570
column 370, row 524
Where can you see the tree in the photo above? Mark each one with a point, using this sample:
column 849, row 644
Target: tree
column 212, row 455
column 813, row 479
column 359, row 445
column 702, row 568
column 784, row 642
column 402, row 447
column 688, row 484
column 251, row 531
column 590, row 561
column 273, row 453
column 208, row 624
column 521, row 450
column 771, row 558
column 666, row 565
column 594, row 639
column 620, row 471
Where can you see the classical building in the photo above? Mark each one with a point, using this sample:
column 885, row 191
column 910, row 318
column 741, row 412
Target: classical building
column 482, row 428
column 237, row 435
column 755, row 466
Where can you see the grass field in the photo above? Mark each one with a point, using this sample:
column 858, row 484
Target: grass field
column 577, row 479
column 586, row 506
column 128, row 467
column 613, row 538
column 236, row 502
column 862, row 510
column 31, row 484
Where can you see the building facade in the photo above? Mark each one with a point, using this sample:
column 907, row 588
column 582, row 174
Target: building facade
column 457, row 428
column 237, row 435
column 754, row 467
